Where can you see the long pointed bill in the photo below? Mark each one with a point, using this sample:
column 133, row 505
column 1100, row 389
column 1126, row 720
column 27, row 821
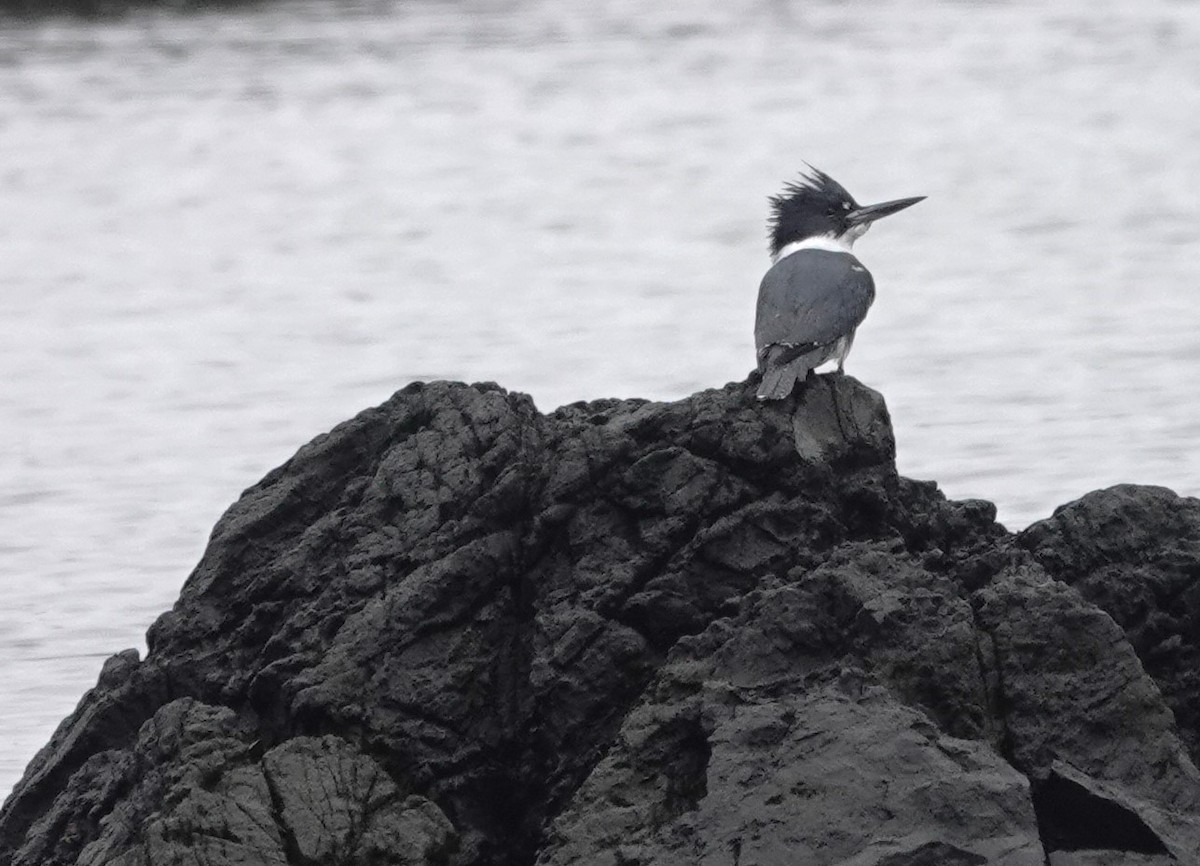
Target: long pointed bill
column 872, row 212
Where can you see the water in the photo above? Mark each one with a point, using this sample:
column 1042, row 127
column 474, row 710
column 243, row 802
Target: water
column 222, row 234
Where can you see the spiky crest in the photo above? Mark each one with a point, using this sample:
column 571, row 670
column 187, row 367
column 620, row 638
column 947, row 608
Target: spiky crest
column 812, row 206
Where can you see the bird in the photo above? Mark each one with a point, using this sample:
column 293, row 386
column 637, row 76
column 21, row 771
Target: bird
column 816, row 293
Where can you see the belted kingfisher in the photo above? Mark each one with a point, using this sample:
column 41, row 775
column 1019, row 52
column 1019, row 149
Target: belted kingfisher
column 816, row 293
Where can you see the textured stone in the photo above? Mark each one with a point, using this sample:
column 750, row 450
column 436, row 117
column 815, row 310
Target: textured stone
column 771, row 739
column 1135, row 552
column 454, row 630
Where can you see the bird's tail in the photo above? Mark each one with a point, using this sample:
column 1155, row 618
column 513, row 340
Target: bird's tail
column 783, row 368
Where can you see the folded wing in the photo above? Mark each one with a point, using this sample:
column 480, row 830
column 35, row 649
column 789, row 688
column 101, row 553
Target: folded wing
column 810, row 299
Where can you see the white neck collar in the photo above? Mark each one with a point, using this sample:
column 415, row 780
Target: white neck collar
column 840, row 244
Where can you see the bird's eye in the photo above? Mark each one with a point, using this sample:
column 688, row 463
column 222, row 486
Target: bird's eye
column 845, row 205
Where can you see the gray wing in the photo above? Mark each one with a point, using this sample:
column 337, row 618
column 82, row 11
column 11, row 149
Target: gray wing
column 810, row 298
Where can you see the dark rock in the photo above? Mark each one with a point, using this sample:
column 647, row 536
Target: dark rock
column 832, row 424
column 1135, row 553
column 780, row 728
column 454, row 630
column 194, row 788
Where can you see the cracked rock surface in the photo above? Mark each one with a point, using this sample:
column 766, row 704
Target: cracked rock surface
column 455, row 630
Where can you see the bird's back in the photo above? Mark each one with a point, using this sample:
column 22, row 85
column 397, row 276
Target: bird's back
column 811, row 297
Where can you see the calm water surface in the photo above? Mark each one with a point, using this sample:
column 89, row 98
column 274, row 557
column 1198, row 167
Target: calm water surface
column 221, row 235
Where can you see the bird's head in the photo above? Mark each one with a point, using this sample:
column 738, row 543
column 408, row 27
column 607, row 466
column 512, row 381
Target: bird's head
column 818, row 206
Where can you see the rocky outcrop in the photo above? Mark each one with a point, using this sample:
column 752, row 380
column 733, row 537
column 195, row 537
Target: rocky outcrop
column 454, row 630
column 1135, row 553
